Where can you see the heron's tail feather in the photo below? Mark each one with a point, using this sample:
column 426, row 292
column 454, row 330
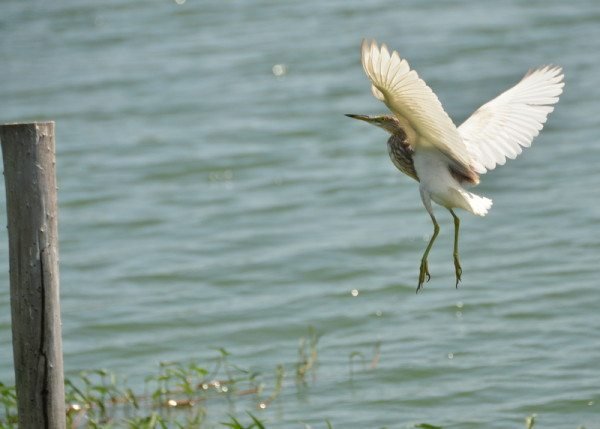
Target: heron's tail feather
column 477, row 205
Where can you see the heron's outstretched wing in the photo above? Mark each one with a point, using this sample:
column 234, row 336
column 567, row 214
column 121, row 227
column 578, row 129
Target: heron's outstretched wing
column 502, row 127
column 418, row 109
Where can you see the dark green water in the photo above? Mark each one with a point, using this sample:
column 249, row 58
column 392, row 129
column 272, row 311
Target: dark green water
column 206, row 202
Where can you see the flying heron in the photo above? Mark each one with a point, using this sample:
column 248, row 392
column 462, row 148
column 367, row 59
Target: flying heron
column 427, row 146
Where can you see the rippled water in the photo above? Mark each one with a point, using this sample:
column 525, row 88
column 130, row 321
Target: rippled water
column 207, row 202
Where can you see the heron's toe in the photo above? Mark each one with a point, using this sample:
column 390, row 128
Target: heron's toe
column 423, row 271
column 457, row 269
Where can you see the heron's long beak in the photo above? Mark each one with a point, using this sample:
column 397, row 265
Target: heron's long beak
column 360, row 117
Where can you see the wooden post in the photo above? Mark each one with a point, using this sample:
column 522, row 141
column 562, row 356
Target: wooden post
column 31, row 203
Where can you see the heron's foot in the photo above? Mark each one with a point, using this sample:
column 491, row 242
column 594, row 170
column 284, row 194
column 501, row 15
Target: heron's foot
column 423, row 271
column 457, row 269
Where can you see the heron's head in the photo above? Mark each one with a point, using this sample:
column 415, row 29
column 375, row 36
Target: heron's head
column 387, row 122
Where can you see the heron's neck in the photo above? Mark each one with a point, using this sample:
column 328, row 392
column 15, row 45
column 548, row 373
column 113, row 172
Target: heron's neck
column 392, row 125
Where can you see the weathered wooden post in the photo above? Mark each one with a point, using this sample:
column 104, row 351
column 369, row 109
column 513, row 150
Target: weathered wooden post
column 31, row 202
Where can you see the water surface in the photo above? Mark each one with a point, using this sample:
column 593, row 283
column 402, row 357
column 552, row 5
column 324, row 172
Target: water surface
column 207, row 202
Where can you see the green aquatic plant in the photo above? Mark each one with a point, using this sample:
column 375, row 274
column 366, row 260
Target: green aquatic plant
column 278, row 387
column 100, row 400
column 153, row 421
column 307, row 355
column 8, row 399
column 353, row 356
column 174, row 397
column 363, row 360
column 235, row 423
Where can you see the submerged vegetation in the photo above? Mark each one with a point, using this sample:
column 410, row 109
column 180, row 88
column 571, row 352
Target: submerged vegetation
column 178, row 395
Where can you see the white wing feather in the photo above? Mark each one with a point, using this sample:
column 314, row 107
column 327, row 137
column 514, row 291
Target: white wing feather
column 418, row 109
column 502, row 127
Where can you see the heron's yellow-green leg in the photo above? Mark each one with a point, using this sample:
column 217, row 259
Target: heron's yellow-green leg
column 424, row 270
column 457, row 267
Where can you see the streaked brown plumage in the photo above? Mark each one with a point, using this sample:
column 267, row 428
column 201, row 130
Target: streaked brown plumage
column 401, row 153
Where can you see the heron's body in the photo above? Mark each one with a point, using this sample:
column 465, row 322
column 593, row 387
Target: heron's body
column 427, row 146
column 438, row 183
